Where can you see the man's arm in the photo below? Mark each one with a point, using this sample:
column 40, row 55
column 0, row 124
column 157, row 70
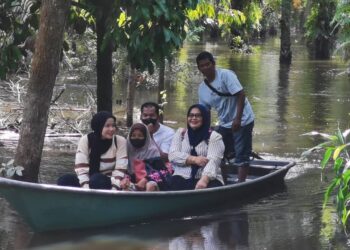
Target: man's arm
column 236, row 123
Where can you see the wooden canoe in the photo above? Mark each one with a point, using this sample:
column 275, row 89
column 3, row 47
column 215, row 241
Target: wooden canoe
column 47, row 207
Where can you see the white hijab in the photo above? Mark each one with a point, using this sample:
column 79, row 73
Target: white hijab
column 149, row 150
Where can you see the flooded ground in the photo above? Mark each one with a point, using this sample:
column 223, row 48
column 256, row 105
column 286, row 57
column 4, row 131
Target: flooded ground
column 288, row 102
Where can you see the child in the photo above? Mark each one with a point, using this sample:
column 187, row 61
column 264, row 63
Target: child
column 143, row 155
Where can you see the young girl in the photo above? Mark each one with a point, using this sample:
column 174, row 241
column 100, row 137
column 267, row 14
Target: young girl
column 101, row 158
column 142, row 151
column 196, row 153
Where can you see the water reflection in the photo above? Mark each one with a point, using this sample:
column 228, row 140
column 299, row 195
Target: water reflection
column 231, row 233
column 282, row 102
column 207, row 232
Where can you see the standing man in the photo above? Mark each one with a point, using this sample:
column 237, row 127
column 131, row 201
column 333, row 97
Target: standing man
column 222, row 90
column 161, row 134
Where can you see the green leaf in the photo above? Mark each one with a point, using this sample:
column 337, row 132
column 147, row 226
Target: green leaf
column 121, row 19
column 337, row 151
column 326, row 157
column 338, row 165
column 345, row 217
column 167, row 34
column 328, row 192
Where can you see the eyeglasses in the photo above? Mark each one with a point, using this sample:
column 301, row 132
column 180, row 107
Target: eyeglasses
column 191, row 115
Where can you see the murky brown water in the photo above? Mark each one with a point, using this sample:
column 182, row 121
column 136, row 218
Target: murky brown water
column 287, row 102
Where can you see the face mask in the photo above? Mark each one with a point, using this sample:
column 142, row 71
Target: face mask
column 149, row 120
column 138, row 143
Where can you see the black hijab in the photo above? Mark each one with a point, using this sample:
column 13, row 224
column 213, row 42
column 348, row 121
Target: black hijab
column 97, row 145
column 198, row 135
column 195, row 136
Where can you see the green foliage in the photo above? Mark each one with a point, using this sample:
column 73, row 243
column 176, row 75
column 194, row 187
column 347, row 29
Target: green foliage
column 229, row 21
column 151, row 30
column 341, row 21
column 319, row 22
column 254, row 15
column 237, row 42
column 336, row 154
column 18, row 20
column 9, row 170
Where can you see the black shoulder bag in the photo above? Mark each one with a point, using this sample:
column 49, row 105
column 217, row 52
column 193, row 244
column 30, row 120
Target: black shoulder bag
column 215, row 90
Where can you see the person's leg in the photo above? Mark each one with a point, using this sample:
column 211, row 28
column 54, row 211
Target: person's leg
column 227, row 138
column 179, row 183
column 243, row 148
column 68, row 180
column 100, row 181
column 214, row 183
column 151, row 186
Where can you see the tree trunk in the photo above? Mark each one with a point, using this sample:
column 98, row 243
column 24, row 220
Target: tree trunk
column 45, row 65
column 324, row 42
column 130, row 96
column 285, row 52
column 161, row 87
column 104, row 61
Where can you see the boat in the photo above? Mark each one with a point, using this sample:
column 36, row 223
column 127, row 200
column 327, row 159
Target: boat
column 47, row 207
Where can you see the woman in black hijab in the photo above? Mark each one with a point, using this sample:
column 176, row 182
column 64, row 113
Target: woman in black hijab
column 196, row 153
column 101, row 157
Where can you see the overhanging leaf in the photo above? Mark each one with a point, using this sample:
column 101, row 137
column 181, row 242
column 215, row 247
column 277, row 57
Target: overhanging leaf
column 337, row 151
column 326, row 157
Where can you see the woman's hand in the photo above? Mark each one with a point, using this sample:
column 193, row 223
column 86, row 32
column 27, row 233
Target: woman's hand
column 125, row 183
column 203, row 182
column 201, row 161
column 141, row 185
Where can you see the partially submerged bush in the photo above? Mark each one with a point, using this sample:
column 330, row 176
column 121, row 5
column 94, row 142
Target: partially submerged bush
column 336, row 155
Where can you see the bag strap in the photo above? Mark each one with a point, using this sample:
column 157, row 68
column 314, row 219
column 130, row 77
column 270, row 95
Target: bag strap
column 215, row 90
column 115, row 141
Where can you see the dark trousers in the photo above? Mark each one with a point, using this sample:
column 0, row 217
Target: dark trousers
column 179, row 183
column 97, row 181
column 238, row 145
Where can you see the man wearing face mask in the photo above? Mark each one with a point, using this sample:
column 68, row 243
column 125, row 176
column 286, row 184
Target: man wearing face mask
column 161, row 134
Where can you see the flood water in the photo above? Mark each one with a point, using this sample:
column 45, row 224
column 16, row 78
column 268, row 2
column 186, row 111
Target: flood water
column 288, row 102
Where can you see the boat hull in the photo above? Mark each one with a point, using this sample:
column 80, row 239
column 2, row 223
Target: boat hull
column 49, row 207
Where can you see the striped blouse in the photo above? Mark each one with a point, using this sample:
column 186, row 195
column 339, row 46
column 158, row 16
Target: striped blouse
column 213, row 149
column 113, row 163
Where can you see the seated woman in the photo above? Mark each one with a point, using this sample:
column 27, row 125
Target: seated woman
column 196, row 153
column 142, row 153
column 101, row 157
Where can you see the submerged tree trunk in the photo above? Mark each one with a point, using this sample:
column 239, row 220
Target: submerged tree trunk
column 321, row 44
column 130, row 96
column 53, row 15
column 285, row 52
column 104, row 61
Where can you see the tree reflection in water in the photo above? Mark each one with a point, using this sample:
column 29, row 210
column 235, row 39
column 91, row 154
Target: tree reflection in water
column 224, row 234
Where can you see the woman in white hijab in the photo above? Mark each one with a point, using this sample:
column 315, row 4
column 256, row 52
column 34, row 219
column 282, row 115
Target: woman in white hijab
column 141, row 147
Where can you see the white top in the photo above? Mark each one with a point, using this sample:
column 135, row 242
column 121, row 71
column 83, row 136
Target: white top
column 163, row 137
column 113, row 163
column 180, row 150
